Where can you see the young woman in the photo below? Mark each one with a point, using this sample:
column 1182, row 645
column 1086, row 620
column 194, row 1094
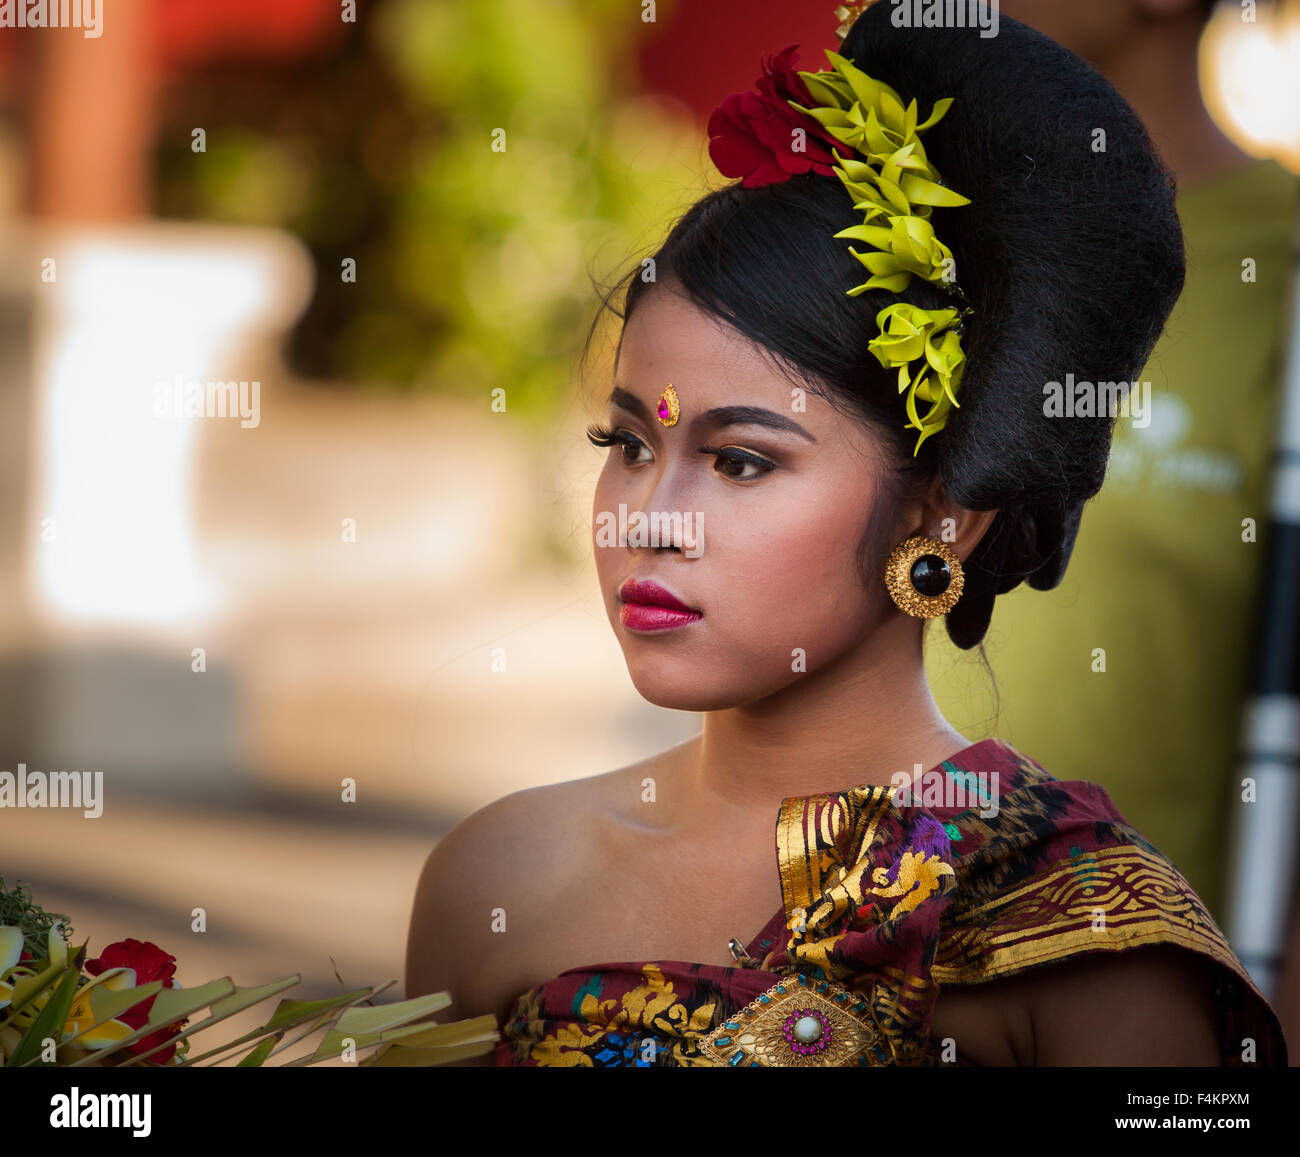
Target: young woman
column 834, row 393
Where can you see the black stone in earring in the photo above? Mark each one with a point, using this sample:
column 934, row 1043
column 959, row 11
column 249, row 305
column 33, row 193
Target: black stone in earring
column 930, row 575
column 924, row 577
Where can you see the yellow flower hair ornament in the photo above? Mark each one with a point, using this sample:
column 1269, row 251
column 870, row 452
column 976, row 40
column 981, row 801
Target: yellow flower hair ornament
column 895, row 187
column 925, row 346
column 892, row 183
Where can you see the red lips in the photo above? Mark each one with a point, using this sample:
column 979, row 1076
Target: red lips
column 652, row 595
column 648, row 607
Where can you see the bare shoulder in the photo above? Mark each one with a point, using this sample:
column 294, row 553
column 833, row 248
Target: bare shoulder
column 485, row 870
column 1152, row 1005
column 493, row 890
column 488, row 887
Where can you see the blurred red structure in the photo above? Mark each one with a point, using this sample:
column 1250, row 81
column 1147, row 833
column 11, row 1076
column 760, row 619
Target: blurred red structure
column 193, row 32
column 201, row 30
column 104, row 176
column 705, row 52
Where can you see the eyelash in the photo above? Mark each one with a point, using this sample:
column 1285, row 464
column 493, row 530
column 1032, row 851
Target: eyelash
column 600, row 435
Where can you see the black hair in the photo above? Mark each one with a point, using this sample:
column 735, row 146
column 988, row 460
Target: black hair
column 1070, row 255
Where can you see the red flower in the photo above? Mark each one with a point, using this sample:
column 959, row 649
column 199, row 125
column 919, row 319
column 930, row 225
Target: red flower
column 752, row 134
column 150, row 963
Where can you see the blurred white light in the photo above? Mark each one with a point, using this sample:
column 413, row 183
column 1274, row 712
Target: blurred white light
column 130, row 309
column 1250, row 78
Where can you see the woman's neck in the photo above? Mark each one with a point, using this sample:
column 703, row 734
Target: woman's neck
column 864, row 718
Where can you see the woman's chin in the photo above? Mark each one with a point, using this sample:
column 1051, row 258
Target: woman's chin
column 681, row 699
column 685, row 689
column 682, row 689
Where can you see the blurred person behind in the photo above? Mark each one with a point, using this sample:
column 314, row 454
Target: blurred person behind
column 1161, row 579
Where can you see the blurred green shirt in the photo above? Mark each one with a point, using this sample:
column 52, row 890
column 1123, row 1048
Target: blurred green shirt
column 1160, row 579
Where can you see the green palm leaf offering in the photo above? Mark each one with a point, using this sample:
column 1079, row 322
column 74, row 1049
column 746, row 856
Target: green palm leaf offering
column 52, row 1014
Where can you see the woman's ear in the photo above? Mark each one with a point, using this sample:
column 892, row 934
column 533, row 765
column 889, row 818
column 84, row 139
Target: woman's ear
column 943, row 519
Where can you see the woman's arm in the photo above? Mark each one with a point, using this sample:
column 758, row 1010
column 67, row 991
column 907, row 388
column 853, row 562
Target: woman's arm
column 1142, row 1006
column 449, row 939
column 433, row 951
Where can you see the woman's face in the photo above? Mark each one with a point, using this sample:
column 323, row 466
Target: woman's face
column 767, row 491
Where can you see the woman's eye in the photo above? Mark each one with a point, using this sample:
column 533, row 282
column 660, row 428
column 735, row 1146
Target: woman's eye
column 628, row 443
column 631, row 446
column 731, row 462
column 741, row 466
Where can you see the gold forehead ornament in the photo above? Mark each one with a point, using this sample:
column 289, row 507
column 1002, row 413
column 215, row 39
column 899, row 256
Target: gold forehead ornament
column 668, row 410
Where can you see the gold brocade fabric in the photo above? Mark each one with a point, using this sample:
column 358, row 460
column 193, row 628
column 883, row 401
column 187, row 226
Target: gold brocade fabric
column 999, row 868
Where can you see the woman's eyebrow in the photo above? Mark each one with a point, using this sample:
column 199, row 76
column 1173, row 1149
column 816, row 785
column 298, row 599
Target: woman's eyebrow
column 718, row 417
column 721, row 416
column 626, row 400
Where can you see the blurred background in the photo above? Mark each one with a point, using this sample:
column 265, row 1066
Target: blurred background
column 386, row 578
column 379, row 577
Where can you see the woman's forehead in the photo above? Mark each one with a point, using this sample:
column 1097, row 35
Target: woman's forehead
column 669, row 338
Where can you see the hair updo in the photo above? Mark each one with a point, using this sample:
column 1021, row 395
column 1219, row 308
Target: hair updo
column 1071, row 260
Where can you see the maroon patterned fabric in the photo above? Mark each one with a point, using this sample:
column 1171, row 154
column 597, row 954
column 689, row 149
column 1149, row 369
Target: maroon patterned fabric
column 989, row 868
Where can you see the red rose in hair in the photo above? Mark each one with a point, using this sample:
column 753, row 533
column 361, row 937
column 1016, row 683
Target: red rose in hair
column 150, row 963
column 752, row 134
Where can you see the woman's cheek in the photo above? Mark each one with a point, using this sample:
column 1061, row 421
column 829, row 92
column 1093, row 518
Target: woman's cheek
column 605, row 508
column 793, row 611
column 808, row 591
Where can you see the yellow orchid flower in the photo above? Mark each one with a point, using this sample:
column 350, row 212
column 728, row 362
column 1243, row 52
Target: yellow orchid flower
column 895, row 187
column 909, row 333
column 869, row 117
column 907, row 246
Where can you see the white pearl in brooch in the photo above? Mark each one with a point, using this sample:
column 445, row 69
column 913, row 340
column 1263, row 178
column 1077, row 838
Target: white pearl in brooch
column 807, row 1030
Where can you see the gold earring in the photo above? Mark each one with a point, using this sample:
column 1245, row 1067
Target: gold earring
column 924, row 577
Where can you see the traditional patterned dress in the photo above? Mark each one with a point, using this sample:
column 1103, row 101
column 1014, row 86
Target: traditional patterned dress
column 991, row 867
